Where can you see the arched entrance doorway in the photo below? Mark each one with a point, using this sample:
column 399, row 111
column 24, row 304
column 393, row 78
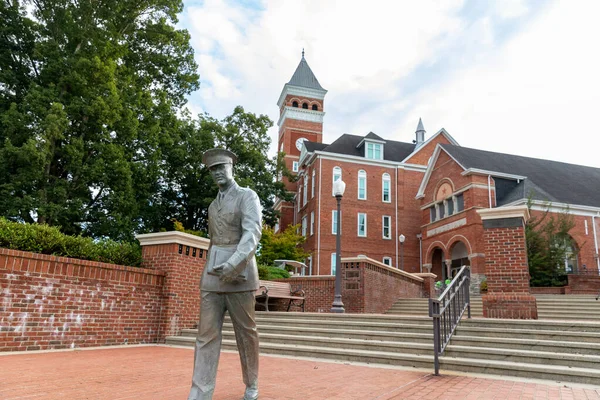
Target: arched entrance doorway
column 460, row 256
column 437, row 264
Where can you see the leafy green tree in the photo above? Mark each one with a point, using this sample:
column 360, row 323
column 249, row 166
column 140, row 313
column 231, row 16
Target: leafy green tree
column 548, row 243
column 89, row 94
column 187, row 188
column 286, row 245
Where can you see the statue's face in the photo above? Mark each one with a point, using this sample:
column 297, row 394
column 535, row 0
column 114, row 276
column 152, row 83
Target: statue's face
column 222, row 174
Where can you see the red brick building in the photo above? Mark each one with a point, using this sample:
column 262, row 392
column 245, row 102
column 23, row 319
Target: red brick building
column 428, row 191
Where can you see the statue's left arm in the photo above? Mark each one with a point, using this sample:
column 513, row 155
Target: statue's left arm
column 251, row 221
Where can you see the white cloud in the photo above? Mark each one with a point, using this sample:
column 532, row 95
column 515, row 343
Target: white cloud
column 386, row 64
column 538, row 96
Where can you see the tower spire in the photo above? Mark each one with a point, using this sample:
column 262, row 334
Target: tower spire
column 303, row 52
column 420, row 132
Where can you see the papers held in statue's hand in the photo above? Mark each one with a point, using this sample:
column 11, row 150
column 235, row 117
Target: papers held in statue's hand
column 218, row 256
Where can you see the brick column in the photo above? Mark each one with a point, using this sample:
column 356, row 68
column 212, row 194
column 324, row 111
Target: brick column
column 506, row 265
column 182, row 257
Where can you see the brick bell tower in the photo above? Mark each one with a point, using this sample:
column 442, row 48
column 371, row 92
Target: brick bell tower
column 300, row 118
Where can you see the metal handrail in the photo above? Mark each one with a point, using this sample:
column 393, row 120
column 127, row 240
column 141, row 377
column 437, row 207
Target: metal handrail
column 447, row 310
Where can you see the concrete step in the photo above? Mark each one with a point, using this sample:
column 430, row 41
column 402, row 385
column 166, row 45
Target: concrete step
column 343, row 317
column 488, row 366
column 557, row 373
column 528, row 324
column 524, row 356
column 400, row 336
column 555, row 346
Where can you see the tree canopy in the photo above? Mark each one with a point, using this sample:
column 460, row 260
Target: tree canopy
column 94, row 138
column 548, row 244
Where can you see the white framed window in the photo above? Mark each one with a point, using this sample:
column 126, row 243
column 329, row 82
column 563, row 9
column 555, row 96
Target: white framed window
column 362, row 185
column 295, row 166
column 386, row 188
column 387, row 227
column 312, row 223
column 298, row 198
column 362, row 225
column 374, row 151
column 312, row 185
column 333, row 263
column 305, row 193
column 304, row 226
column 387, row 261
column 337, row 175
column 334, row 222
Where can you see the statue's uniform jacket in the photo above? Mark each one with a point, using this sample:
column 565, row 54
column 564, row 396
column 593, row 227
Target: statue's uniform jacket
column 234, row 224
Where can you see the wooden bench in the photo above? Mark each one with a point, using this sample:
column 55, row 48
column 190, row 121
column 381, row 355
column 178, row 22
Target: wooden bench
column 278, row 290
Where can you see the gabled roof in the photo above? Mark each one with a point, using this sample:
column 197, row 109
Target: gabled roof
column 373, row 136
column 548, row 180
column 304, row 77
column 312, row 146
column 418, row 148
column 347, row 145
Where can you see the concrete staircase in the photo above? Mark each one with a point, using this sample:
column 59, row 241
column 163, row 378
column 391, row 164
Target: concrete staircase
column 421, row 307
column 561, row 351
column 568, row 307
column 559, row 307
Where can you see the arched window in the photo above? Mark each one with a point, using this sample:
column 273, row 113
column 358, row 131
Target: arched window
column 315, row 108
column 571, row 259
column 295, row 104
column 385, row 188
column 305, row 106
column 362, row 185
column 337, row 174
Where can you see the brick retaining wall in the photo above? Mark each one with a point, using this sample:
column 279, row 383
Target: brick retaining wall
column 50, row 302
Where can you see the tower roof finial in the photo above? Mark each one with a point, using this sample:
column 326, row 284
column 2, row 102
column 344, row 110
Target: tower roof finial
column 303, row 52
column 420, row 126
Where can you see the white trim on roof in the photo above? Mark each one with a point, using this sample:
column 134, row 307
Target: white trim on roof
column 367, row 161
column 575, row 209
column 440, row 132
column 477, row 171
column 432, row 161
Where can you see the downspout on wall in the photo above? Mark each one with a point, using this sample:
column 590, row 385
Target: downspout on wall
column 490, row 190
column 596, row 241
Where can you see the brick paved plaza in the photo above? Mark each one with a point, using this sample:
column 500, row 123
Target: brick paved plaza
column 163, row 373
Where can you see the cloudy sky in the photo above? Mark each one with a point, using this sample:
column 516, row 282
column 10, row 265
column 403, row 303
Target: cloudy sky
column 514, row 76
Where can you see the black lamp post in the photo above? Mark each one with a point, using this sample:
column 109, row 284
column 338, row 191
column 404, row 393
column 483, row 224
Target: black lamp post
column 402, row 238
column 338, row 307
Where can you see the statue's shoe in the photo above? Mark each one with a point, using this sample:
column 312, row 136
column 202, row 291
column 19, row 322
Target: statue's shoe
column 251, row 394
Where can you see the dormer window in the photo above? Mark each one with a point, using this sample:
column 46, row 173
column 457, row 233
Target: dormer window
column 305, row 106
column 295, row 104
column 374, row 151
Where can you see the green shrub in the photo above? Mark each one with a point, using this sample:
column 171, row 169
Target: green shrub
column 49, row 240
column 268, row 273
column 483, row 287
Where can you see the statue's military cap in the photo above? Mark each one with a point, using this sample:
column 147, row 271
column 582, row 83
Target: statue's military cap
column 218, row 156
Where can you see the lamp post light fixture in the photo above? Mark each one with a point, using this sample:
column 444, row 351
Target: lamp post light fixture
column 338, row 307
column 402, row 238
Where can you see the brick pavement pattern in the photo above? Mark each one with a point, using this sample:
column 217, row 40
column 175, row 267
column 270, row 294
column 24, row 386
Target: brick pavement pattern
column 164, row 373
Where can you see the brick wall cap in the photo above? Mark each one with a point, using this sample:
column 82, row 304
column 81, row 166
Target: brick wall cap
column 504, row 212
column 425, row 275
column 381, row 265
column 149, row 239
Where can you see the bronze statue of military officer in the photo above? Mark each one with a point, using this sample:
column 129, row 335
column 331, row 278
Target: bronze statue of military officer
column 229, row 280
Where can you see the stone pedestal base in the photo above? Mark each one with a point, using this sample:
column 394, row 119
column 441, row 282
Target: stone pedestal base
column 509, row 306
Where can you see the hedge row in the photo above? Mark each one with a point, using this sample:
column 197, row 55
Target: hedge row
column 269, row 273
column 49, row 240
